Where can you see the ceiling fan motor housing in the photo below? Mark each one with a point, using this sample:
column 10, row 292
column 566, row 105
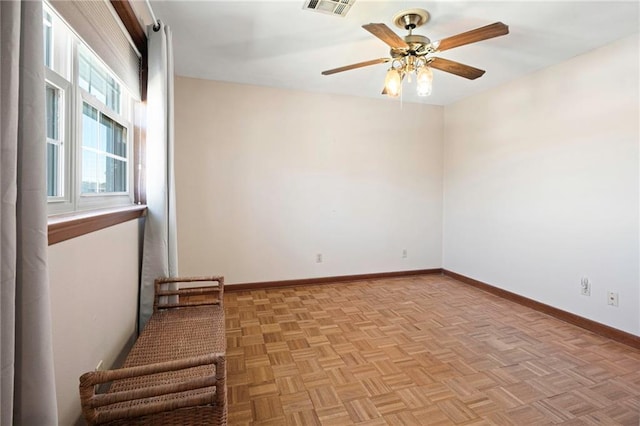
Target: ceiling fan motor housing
column 418, row 45
column 411, row 19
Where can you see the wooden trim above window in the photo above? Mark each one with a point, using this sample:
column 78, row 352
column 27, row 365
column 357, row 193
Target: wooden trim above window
column 66, row 227
column 138, row 35
column 130, row 21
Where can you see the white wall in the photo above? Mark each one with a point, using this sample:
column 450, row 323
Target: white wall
column 94, row 295
column 268, row 178
column 541, row 185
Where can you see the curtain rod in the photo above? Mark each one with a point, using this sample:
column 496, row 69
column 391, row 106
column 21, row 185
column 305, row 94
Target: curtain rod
column 156, row 22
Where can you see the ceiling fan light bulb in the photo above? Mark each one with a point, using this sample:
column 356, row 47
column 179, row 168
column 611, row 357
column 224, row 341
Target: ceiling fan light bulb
column 424, row 81
column 393, row 82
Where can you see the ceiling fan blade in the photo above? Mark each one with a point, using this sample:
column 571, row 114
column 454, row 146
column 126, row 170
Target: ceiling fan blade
column 385, row 34
column 456, row 68
column 490, row 31
column 354, row 66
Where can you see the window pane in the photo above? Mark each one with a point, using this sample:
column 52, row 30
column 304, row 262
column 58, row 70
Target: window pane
column 52, row 110
column 89, row 172
column 101, row 172
column 116, row 175
column 114, row 136
column 89, row 126
column 54, row 147
column 84, row 71
column 48, row 39
column 98, row 85
column 53, row 170
column 113, row 94
column 96, row 79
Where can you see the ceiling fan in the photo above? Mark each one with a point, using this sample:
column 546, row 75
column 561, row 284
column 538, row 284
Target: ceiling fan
column 411, row 54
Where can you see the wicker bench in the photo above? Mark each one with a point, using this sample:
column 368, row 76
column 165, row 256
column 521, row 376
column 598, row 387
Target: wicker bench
column 175, row 372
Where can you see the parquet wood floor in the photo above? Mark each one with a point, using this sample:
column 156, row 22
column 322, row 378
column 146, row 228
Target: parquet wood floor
column 424, row 350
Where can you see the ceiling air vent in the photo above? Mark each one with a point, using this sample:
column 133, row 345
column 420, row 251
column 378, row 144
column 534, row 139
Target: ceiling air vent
column 332, row 7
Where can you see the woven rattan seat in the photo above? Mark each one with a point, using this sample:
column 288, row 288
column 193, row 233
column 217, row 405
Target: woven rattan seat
column 175, row 372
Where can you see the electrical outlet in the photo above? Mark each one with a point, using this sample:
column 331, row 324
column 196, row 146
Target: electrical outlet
column 585, row 287
column 404, row 253
column 612, row 298
column 319, row 258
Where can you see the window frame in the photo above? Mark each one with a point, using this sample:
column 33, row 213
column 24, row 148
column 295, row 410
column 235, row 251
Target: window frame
column 76, row 224
column 89, row 201
column 65, row 55
column 62, row 203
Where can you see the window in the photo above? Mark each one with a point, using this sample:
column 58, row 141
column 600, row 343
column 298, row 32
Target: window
column 54, row 142
column 89, row 130
column 104, row 153
column 48, row 39
column 95, row 79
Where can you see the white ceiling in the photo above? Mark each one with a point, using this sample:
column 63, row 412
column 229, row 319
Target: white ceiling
column 278, row 44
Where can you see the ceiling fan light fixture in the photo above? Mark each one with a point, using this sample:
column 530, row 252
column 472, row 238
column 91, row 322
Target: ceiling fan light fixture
column 424, row 81
column 409, row 54
column 393, row 82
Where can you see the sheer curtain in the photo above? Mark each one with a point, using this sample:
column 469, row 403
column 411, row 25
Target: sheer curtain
column 27, row 392
column 160, row 249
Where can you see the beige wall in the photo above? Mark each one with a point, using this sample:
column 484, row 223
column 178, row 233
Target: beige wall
column 94, row 295
column 542, row 185
column 268, row 178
